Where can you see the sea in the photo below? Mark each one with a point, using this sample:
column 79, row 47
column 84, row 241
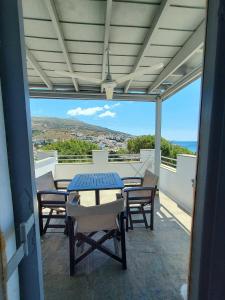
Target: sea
column 190, row 145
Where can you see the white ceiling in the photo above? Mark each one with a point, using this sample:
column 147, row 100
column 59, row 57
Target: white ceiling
column 174, row 42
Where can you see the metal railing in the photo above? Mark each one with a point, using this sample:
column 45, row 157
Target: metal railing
column 75, row 158
column 168, row 161
column 124, row 157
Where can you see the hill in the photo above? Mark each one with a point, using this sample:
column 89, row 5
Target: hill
column 46, row 128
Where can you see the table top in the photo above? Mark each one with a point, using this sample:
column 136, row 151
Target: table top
column 95, row 181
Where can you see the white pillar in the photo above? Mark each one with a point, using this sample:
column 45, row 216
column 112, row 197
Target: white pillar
column 158, row 115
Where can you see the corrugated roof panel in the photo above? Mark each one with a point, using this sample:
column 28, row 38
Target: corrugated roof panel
column 182, row 18
column 35, row 80
column 140, row 84
column 162, row 51
column 38, row 28
column 35, row 9
column 60, row 80
column 42, row 44
column 84, row 47
column 53, row 66
column 48, row 56
column 83, row 32
column 171, row 37
column 190, row 3
column 45, row 29
column 127, row 35
column 141, row 2
column 96, row 48
column 150, row 61
column 81, row 11
column 133, row 14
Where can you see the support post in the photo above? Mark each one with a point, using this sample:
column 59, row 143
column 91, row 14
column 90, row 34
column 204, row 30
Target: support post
column 15, row 98
column 208, row 246
column 158, row 116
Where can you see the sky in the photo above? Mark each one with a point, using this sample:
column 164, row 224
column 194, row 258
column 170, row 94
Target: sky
column 180, row 113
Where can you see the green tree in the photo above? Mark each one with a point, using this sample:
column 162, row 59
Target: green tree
column 148, row 142
column 72, row 147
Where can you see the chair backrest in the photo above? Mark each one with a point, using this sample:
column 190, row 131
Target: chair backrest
column 95, row 218
column 45, row 182
column 150, row 179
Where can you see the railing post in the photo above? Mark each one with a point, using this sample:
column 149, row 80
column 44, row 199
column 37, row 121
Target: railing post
column 158, row 115
column 100, row 157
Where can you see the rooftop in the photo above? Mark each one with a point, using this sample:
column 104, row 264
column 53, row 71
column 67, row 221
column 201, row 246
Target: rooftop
column 157, row 261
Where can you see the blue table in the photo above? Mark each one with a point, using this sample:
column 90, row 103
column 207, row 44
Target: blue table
column 95, row 182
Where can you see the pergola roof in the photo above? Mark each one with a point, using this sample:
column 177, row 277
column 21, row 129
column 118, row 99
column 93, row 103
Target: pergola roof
column 72, row 35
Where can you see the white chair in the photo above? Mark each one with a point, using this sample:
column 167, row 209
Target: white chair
column 85, row 222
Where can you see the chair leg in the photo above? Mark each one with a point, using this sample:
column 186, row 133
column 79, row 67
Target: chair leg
column 123, row 244
column 41, row 226
column 130, row 219
column 66, row 230
column 70, row 225
column 116, row 247
column 48, row 221
column 152, row 219
column 144, row 216
column 127, row 224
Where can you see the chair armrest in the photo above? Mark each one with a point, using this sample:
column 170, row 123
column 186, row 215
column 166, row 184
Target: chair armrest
column 52, row 192
column 141, row 188
column 66, row 180
column 132, row 177
column 130, row 184
column 56, row 181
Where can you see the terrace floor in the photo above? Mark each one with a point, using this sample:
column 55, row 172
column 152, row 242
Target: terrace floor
column 157, row 261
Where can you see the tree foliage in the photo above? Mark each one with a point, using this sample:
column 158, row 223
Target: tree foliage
column 78, row 147
column 148, row 142
column 72, row 147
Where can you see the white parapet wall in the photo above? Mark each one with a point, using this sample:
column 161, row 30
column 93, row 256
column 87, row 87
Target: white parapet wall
column 45, row 165
column 177, row 183
column 100, row 164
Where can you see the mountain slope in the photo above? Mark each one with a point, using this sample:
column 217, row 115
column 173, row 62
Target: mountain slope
column 56, row 128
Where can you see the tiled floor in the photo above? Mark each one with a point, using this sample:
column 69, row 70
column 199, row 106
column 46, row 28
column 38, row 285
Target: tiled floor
column 157, row 261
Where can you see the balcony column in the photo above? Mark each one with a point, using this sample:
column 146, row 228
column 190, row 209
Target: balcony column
column 158, row 116
column 16, row 112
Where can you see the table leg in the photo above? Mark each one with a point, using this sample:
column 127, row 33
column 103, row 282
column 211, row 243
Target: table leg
column 97, row 197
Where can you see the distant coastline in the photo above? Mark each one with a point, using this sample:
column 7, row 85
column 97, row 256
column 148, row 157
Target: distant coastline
column 190, row 145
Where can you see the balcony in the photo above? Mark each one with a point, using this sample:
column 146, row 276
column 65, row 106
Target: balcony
column 157, row 261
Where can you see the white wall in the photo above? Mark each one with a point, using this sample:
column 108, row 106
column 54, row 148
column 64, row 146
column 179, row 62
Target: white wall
column 44, row 166
column 7, row 232
column 177, row 183
column 46, row 154
column 100, row 164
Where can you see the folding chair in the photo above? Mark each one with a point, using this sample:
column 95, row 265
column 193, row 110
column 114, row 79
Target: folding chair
column 49, row 196
column 139, row 194
column 85, row 222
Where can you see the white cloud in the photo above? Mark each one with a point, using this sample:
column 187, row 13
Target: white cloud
column 84, row 111
column 116, row 104
column 107, row 113
column 111, row 106
column 90, row 111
